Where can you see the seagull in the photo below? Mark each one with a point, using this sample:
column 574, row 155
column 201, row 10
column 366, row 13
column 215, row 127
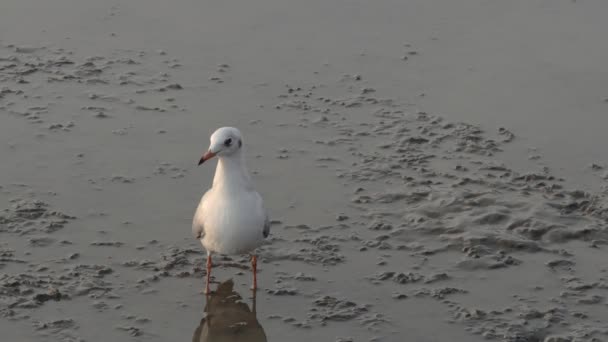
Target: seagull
column 230, row 218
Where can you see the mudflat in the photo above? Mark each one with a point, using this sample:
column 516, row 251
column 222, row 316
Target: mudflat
column 434, row 169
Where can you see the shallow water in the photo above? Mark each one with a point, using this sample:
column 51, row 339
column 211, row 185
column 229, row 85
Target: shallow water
column 394, row 219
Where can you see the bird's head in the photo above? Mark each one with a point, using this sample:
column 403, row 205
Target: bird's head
column 224, row 141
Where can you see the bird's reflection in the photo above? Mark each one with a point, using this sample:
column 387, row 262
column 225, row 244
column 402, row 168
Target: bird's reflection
column 228, row 319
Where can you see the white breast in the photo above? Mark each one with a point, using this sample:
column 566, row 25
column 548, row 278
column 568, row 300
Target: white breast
column 233, row 222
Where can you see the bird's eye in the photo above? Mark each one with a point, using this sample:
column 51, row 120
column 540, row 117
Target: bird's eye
column 227, row 142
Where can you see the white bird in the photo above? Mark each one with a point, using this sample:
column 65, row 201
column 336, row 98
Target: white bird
column 230, row 218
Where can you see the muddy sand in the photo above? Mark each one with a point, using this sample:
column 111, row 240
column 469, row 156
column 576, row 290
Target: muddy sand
column 435, row 170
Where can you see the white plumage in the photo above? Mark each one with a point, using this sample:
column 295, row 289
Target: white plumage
column 230, row 218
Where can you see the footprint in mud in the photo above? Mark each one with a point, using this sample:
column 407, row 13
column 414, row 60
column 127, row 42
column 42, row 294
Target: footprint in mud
column 228, row 318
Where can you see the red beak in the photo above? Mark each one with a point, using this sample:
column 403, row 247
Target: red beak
column 206, row 157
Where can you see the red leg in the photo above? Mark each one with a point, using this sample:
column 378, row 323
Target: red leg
column 207, row 291
column 254, row 267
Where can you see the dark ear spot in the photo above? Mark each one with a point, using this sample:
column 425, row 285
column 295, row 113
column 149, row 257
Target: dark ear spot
column 240, row 143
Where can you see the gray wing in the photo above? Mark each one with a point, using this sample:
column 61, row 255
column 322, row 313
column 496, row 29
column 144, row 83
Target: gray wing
column 267, row 226
column 198, row 230
column 198, row 226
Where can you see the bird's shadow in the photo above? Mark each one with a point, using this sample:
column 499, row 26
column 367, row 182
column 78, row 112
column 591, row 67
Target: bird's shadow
column 227, row 318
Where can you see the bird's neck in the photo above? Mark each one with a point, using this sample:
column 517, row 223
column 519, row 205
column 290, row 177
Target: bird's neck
column 231, row 173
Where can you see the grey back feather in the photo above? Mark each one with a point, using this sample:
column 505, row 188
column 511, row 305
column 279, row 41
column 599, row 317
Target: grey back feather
column 198, row 227
column 198, row 230
column 266, row 226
